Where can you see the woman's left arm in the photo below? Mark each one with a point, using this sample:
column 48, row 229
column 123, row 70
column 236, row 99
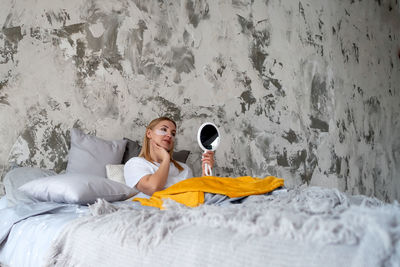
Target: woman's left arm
column 208, row 157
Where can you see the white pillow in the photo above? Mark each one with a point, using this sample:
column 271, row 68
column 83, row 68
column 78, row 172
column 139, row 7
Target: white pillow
column 90, row 154
column 115, row 173
column 76, row 188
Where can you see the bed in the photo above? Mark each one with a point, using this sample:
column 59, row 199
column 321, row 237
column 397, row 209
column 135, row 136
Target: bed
column 50, row 219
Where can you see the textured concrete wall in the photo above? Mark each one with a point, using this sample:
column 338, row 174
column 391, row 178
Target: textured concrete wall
column 306, row 90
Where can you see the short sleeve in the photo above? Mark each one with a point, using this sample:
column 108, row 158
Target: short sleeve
column 135, row 169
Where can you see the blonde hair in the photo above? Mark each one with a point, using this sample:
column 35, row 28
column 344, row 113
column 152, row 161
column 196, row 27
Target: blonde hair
column 145, row 152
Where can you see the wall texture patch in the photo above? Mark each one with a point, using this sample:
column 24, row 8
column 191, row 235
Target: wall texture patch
column 308, row 90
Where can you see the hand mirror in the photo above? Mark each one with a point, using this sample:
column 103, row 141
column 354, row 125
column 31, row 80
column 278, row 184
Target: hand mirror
column 208, row 137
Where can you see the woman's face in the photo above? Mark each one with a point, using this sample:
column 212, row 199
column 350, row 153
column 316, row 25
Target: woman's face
column 163, row 134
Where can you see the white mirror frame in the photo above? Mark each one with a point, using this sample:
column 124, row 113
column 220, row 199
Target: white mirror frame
column 208, row 170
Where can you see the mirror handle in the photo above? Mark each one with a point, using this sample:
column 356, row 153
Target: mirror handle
column 208, row 171
column 207, row 168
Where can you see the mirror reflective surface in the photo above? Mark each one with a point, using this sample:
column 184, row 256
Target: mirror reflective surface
column 208, row 136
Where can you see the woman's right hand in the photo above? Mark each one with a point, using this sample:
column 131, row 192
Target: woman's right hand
column 160, row 152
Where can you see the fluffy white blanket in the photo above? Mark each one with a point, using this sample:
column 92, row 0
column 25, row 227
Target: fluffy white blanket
column 310, row 216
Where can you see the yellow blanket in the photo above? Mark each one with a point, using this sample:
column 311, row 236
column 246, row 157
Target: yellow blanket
column 190, row 192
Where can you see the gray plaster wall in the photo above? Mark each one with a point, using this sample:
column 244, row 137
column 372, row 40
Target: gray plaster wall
column 305, row 90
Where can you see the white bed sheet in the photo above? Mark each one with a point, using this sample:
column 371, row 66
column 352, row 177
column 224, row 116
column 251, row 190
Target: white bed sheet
column 30, row 239
column 3, row 202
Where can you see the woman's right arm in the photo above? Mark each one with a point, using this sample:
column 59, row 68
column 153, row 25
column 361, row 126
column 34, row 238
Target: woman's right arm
column 151, row 183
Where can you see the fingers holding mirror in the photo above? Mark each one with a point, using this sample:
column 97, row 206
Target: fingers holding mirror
column 207, row 162
column 208, row 157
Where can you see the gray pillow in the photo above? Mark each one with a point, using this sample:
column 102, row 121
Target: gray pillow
column 90, row 154
column 181, row 155
column 77, row 188
column 18, row 177
column 133, row 149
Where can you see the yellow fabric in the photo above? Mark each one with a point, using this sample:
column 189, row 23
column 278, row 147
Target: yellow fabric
column 190, row 192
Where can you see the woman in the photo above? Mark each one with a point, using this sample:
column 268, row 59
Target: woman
column 155, row 169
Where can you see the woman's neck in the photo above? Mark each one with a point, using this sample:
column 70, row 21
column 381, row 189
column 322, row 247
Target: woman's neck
column 154, row 158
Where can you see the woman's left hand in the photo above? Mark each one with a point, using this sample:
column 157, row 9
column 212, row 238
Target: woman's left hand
column 208, row 157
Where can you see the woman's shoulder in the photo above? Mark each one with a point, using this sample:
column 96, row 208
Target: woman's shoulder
column 138, row 163
column 137, row 160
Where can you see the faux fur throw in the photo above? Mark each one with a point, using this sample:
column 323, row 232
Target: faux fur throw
column 312, row 215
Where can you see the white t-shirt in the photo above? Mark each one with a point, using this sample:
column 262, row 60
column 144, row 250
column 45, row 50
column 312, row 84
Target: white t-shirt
column 138, row 167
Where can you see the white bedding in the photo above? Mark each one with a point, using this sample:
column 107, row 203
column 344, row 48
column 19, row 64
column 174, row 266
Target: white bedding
column 3, row 202
column 201, row 246
column 30, row 238
column 302, row 227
